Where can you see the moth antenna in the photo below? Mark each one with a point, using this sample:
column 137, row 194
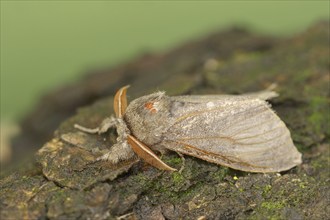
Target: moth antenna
column 120, row 102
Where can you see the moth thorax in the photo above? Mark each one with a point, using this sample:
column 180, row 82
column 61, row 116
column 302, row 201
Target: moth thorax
column 153, row 107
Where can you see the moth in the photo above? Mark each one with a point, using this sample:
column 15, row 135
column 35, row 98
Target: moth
column 238, row 131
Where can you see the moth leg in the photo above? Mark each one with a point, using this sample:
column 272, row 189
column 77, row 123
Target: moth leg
column 118, row 152
column 105, row 125
column 183, row 162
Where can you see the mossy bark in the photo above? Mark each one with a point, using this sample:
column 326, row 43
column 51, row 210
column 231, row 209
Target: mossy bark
column 65, row 182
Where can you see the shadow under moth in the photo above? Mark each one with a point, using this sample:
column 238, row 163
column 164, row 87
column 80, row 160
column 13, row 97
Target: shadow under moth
column 238, row 131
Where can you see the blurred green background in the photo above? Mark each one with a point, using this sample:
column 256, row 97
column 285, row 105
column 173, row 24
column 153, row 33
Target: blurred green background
column 46, row 44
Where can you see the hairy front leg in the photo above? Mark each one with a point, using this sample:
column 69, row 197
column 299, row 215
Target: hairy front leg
column 118, row 152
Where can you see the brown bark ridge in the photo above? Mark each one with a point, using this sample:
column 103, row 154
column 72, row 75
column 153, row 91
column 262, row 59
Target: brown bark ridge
column 65, row 182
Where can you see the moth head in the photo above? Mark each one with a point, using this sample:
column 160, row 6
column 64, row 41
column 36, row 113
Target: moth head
column 147, row 117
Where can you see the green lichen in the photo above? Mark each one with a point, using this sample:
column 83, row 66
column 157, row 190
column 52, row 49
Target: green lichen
column 302, row 185
column 272, row 205
column 221, row 173
column 177, row 177
column 266, row 190
column 271, row 210
column 190, row 191
column 173, row 160
column 60, row 194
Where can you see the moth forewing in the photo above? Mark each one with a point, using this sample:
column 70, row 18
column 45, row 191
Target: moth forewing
column 238, row 132
column 146, row 153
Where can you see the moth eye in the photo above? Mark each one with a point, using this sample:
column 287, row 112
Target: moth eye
column 151, row 107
